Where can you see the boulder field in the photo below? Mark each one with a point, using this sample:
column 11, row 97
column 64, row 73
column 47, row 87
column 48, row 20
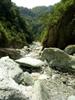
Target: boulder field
column 55, row 80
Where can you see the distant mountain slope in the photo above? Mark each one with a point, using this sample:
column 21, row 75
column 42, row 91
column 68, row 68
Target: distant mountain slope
column 41, row 10
column 26, row 12
column 34, row 18
column 34, row 12
column 13, row 31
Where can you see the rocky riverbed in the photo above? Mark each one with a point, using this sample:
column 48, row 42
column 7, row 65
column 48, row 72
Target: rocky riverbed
column 38, row 75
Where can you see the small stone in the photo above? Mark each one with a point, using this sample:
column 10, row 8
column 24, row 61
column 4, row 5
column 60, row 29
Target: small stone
column 43, row 76
column 26, row 79
column 55, row 76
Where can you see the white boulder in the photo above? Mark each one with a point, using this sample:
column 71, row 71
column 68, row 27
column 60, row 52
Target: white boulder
column 30, row 62
column 10, row 67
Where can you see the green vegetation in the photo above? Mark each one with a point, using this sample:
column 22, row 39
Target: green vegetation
column 36, row 19
column 13, row 28
column 61, row 31
column 54, row 26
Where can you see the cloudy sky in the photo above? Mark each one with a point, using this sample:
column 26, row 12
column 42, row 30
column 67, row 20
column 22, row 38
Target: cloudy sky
column 33, row 3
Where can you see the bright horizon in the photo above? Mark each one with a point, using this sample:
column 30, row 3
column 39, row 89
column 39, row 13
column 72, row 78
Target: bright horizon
column 34, row 3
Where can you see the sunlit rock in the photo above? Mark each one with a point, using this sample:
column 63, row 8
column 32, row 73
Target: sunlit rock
column 40, row 91
column 9, row 89
column 10, row 67
column 30, row 62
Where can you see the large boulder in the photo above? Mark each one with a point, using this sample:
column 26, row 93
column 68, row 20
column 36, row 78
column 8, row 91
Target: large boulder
column 58, row 59
column 12, row 53
column 30, row 62
column 13, row 71
column 9, row 89
column 70, row 49
column 11, row 67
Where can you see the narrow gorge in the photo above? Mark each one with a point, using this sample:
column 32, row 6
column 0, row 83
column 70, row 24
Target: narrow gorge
column 37, row 51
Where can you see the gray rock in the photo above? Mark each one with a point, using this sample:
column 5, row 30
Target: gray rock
column 11, row 93
column 30, row 62
column 58, row 59
column 26, row 79
column 12, row 70
column 71, row 97
column 9, row 89
column 12, row 53
column 40, row 91
column 70, row 49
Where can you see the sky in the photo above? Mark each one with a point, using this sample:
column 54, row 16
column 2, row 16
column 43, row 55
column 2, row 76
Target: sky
column 34, row 3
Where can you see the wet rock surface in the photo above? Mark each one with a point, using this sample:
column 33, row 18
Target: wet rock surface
column 44, row 84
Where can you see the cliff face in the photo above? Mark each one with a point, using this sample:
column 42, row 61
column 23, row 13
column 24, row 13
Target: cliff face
column 62, row 33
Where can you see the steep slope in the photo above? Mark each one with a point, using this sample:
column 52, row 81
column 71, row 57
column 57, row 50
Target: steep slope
column 13, row 31
column 61, row 30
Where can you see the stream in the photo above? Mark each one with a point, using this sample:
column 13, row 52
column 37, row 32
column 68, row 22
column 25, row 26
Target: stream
column 33, row 80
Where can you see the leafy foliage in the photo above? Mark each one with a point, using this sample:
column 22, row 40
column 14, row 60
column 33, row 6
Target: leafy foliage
column 36, row 19
column 61, row 30
column 13, row 30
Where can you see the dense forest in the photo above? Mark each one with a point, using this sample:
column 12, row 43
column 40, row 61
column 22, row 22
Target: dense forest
column 36, row 19
column 54, row 25
column 13, row 30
